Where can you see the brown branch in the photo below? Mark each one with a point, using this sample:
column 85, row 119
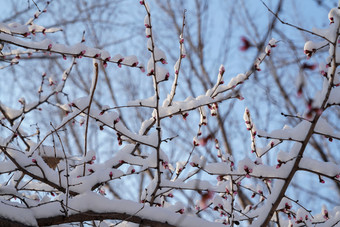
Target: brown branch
column 93, row 88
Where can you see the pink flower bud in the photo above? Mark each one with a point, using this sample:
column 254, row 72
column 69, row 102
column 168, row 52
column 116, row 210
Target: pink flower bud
column 331, row 20
column 163, row 61
column 193, row 164
column 185, row 115
column 181, row 211
column 167, row 76
column 142, row 69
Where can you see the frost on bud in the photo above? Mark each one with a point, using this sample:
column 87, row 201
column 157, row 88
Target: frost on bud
column 179, row 167
column 213, row 109
column 309, row 49
column 196, row 142
column 183, row 52
column 325, row 212
column 203, row 116
column 160, row 55
column 176, row 67
column 268, row 50
column 49, row 47
column 221, row 70
column 219, row 154
column 333, row 13
column 40, row 90
column 272, row 43
column 147, row 32
column 22, row 101
column 50, row 81
column 251, row 128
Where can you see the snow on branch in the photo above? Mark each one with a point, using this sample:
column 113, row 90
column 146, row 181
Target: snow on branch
column 60, row 175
